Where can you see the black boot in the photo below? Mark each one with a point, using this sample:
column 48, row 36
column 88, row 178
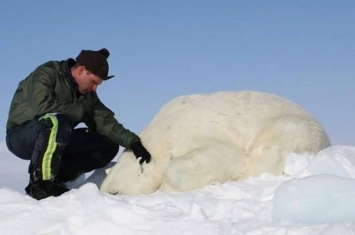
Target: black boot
column 43, row 189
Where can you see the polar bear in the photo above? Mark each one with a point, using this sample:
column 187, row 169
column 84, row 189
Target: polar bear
column 203, row 139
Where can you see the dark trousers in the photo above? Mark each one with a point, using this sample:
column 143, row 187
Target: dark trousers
column 57, row 150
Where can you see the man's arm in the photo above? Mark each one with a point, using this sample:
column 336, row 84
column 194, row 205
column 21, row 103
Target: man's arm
column 108, row 125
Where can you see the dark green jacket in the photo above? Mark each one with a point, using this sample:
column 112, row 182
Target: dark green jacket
column 51, row 89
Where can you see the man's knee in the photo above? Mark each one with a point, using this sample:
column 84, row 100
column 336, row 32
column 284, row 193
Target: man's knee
column 113, row 151
column 108, row 154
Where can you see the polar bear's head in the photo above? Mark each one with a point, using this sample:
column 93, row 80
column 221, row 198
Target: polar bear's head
column 129, row 177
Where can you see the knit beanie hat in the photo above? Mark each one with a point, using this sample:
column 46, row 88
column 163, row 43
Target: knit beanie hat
column 95, row 62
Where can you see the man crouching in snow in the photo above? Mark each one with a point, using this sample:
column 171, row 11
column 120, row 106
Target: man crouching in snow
column 45, row 109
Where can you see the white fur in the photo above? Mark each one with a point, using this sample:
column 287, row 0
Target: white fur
column 198, row 140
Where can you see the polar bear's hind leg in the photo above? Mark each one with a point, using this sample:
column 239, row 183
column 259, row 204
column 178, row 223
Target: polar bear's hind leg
column 284, row 135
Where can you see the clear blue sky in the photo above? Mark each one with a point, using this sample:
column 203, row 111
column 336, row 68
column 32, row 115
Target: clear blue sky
column 303, row 50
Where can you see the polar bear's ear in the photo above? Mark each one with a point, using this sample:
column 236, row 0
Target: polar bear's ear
column 108, row 170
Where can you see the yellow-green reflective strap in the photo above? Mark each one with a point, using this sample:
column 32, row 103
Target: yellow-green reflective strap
column 51, row 147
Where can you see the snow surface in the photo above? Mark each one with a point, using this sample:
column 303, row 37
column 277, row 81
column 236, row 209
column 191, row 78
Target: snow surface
column 316, row 195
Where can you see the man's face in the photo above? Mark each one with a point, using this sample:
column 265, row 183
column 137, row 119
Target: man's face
column 87, row 81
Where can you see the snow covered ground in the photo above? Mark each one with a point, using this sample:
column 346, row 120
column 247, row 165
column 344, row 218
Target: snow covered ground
column 316, row 195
